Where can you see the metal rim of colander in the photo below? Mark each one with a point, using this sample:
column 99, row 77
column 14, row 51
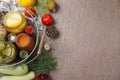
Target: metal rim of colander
column 34, row 18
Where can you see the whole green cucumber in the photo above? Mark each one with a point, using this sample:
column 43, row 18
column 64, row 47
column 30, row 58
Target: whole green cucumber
column 29, row 76
column 14, row 70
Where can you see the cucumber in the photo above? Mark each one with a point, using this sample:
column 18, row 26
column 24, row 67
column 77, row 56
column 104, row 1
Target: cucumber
column 2, row 45
column 29, row 76
column 15, row 70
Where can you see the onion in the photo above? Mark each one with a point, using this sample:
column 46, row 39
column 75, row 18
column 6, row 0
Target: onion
column 42, row 77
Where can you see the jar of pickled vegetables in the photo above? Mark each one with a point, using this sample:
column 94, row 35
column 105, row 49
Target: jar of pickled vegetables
column 7, row 52
column 14, row 22
column 25, row 42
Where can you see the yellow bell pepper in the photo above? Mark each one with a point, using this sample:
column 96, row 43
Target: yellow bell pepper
column 27, row 3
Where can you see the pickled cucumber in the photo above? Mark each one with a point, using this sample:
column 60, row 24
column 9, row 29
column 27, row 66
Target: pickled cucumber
column 2, row 45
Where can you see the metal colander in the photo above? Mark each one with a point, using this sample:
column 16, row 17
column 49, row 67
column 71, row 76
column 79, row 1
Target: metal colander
column 13, row 6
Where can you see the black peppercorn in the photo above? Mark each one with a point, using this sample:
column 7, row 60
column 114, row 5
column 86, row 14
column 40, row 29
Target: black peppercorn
column 52, row 32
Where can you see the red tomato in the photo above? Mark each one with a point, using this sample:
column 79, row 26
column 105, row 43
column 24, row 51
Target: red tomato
column 47, row 19
column 29, row 12
column 29, row 30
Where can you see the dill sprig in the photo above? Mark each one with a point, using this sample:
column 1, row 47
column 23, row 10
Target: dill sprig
column 45, row 63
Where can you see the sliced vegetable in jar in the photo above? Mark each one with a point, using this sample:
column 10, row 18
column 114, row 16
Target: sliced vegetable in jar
column 2, row 45
column 7, row 51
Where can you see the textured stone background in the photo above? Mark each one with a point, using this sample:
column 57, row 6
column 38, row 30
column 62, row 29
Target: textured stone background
column 89, row 45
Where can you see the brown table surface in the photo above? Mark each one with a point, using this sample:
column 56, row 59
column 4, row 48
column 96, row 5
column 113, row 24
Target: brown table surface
column 89, row 45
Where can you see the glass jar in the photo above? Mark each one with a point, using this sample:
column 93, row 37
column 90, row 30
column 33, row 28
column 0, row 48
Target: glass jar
column 25, row 42
column 7, row 52
column 14, row 22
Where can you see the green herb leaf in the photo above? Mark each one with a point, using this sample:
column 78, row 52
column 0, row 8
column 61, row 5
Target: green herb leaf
column 45, row 63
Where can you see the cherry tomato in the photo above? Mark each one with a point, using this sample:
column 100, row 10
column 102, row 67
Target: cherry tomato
column 42, row 77
column 29, row 12
column 47, row 19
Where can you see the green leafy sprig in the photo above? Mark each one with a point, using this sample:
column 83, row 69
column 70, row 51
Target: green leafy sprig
column 45, row 63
